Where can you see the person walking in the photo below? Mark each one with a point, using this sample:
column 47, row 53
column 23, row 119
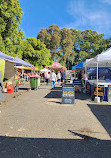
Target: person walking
column 53, row 79
column 59, row 77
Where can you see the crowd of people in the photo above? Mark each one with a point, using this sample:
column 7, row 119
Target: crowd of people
column 58, row 76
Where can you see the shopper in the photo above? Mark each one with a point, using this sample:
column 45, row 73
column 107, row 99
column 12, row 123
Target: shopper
column 59, row 77
column 80, row 75
column 63, row 76
column 85, row 77
column 53, row 79
column 47, row 76
column 2, row 100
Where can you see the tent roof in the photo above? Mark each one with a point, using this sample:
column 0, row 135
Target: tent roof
column 45, row 70
column 103, row 59
column 31, row 68
column 26, row 68
column 80, row 65
column 14, row 59
column 55, row 65
column 6, row 57
column 19, row 67
column 21, row 62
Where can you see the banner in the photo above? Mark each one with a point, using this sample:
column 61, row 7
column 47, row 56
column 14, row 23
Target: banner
column 2, row 67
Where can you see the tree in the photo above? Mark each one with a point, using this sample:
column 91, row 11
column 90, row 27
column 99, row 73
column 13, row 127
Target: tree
column 36, row 52
column 2, row 46
column 10, row 17
column 51, row 38
column 67, row 47
column 11, row 36
column 87, row 44
column 71, row 46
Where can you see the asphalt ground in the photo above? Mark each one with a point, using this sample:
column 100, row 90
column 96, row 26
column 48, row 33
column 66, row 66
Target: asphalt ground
column 36, row 124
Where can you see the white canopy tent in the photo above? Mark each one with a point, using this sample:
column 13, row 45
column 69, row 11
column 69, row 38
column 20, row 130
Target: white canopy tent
column 44, row 70
column 101, row 60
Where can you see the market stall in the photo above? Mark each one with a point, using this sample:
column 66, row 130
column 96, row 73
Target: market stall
column 7, row 67
column 101, row 60
column 103, row 88
column 7, row 64
column 77, row 82
column 25, row 70
column 55, row 66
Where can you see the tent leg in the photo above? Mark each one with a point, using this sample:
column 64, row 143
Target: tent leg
column 97, row 79
column 97, row 99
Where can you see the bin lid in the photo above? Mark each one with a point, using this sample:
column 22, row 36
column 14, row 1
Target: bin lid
column 32, row 76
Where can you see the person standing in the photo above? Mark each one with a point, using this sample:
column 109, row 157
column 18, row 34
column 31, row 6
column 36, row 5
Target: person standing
column 2, row 100
column 63, row 76
column 47, row 76
column 53, row 79
column 85, row 78
column 59, row 77
column 80, row 75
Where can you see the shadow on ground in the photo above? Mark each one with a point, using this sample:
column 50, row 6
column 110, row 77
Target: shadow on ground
column 16, row 147
column 103, row 114
column 82, row 96
column 24, row 88
column 55, row 93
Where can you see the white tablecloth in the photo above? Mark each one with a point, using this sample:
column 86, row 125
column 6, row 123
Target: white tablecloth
column 100, row 83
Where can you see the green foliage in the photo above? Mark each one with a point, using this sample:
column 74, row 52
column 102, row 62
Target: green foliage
column 11, row 36
column 66, row 47
column 36, row 52
column 51, row 38
column 88, row 44
column 10, row 17
column 70, row 46
column 2, row 46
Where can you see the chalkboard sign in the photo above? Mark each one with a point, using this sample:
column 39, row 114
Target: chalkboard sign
column 68, row 95
column 77, row 82
column 109, row 93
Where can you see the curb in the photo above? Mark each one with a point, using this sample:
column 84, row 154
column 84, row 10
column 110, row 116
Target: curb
column 3, row 103
column 20, row 94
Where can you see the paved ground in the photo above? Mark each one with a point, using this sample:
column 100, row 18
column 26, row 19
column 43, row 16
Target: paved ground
column 36, row 124
column 22, row 89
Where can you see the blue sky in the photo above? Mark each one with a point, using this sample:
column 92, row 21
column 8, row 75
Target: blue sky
column 78, row 14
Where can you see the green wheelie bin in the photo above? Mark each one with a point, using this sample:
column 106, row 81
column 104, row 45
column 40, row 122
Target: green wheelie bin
column 33, row 82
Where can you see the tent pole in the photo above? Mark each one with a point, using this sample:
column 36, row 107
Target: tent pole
column 85, row 80
column 97, row 78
